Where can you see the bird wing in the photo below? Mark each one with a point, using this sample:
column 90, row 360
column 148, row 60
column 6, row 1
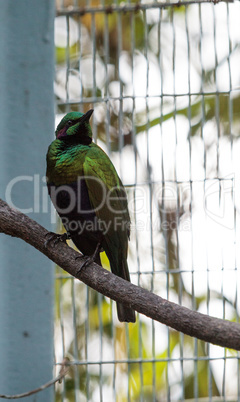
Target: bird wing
column 106, row 191
column 107, row 196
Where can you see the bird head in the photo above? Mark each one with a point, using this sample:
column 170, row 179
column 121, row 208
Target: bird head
column 75, row 124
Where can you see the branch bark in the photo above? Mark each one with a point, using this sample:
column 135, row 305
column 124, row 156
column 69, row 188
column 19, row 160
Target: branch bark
column 209, row 329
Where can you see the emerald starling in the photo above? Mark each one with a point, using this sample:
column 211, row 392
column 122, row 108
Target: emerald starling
column 89, row 197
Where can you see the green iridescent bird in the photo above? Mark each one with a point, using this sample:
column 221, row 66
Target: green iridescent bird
column 89, row 197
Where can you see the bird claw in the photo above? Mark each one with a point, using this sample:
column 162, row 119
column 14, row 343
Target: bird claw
column 56, row 238
column 88, row 260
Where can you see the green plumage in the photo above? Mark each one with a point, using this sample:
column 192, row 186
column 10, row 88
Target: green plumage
column 72, row 159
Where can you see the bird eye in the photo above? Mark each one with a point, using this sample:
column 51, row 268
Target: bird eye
column 69, row 123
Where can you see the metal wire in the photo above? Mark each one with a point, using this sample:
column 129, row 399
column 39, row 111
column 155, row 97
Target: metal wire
column 134, row 7
column 168, row 118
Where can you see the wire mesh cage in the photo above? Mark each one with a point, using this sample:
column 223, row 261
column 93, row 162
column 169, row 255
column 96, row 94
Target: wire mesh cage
column 163, row 80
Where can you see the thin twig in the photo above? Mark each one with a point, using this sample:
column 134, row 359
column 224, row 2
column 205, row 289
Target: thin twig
column 62, row 373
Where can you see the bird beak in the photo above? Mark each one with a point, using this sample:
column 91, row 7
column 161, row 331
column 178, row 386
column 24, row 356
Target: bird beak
column 86, row 116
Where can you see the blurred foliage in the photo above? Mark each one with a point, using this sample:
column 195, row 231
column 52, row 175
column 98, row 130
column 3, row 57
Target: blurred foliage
column 96, row 64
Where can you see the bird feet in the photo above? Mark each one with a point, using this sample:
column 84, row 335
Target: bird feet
column 88, row 258
column 56, row 238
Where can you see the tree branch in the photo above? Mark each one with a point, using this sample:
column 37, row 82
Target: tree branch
column 209, row 329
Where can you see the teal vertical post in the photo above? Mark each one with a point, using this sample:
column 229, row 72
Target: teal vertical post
column 26, row 129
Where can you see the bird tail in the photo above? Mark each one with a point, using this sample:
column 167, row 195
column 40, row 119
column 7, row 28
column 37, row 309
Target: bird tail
column 125, row 313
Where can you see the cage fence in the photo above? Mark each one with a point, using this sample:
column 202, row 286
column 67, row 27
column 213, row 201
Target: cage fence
column 163, row 80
